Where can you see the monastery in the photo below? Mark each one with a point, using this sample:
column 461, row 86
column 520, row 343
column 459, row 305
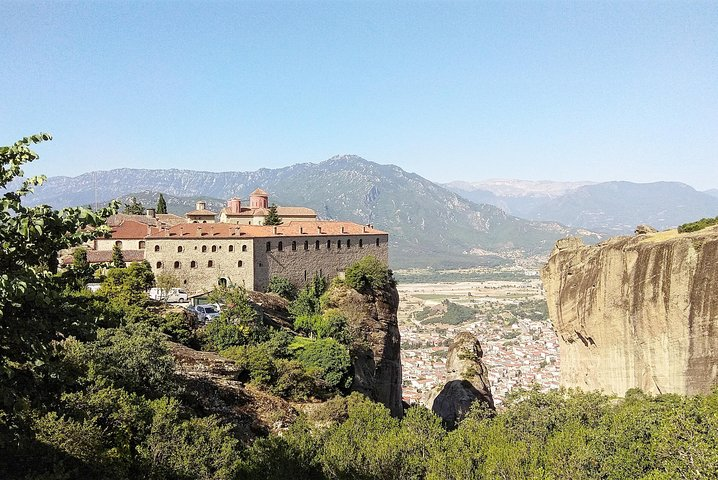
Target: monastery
column 238, row 249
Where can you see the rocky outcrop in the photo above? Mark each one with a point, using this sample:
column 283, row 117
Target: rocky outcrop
column 376, row 343
column 637, row 312
column 466, row 381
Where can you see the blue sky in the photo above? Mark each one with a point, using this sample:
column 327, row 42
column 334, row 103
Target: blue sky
column 450, row 90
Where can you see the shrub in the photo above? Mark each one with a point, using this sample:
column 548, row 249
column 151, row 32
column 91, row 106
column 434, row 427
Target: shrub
column 698, row 225
column 329, row 356
column 369, row 272
column 282, row 287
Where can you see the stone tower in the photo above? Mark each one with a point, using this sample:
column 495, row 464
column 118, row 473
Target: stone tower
column 259, row 199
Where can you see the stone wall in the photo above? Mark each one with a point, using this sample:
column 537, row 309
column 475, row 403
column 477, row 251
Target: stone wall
column 200, row 276
column 300, row 265
column 127, row 244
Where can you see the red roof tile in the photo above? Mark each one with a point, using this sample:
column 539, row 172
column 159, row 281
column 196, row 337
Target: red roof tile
column 227, row 230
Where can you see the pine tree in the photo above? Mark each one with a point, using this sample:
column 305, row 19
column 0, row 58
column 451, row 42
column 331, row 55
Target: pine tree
column 273, row 217
column 118, row 260
column 161, row 205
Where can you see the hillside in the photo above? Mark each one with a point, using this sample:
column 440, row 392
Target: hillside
column 428, row 224
column 609, row 207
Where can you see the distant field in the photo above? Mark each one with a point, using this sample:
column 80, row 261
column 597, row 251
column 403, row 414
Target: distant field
column 464, row 275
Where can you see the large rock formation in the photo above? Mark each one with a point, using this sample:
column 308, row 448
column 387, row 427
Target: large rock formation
column 376, row 346
column 466, row 381
column 637, row 312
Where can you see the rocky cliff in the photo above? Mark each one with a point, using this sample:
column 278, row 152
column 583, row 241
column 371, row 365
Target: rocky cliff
column 466, row 381
column 376, row 344
column 637, row 311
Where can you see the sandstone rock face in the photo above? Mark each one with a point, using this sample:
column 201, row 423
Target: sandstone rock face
column 376, row 346
column 467, row 381
column 637, row 312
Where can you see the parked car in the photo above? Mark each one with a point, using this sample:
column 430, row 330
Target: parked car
column 173, row 295
column 205, row 313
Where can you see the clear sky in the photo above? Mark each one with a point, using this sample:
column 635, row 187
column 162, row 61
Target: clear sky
column 450, row 90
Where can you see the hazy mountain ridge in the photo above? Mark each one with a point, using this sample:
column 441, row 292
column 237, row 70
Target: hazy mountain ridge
column 428, row 224
column 608, row 207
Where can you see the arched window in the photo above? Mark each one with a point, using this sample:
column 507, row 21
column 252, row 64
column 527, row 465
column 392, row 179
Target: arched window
column 158, row 265
column 329, row 244
column 157, row 248
column 204, row 248
column 177, row 265
column 377, row 242
column 269, row 246
column 279, row 246
column 244, row 248
column 210, row 264
column 316, row 245
column 349, row 243
column 222, row 282
column 361, row 243
column 339, row 244
column 119, row 243
column 214, row 248
column 294, row 246
column 142, row 244
column 193, row 264
column 231, row 248
column 179, row 249
column 239, row 263
column 306, row 244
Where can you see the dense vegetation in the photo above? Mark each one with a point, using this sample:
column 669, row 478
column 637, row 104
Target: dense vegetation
column 447, row 312
column 88, row 387
column 697, row 225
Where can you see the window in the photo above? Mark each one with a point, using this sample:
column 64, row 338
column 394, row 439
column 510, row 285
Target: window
column 269, row 246
column 239, row 263
column 329, row 244
column 142, row 244
column 294, row 246
column 192, row 264
column 349, row 243
column 177, row 265
column 214, row 248
column 361, row 243
column 158, row 265
column 244, row 248
column 377, row 242
column 306, row 244
column 119, row 243
column 339, row 244
column 316, row 245
column 210, row 264
column 204, row 248
column 179, row 249
column 279, row 246
column 231, row 248
column 157, row 248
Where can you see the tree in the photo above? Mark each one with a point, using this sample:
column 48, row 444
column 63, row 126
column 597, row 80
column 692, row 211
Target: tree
column 166, row 281
column 81, row 267
column 238, row 322
column 134, row 207
column 161, row 205
column 369, row 272
column 118, row 259
column 282, row 287
column 273, row 218
column 34, row 308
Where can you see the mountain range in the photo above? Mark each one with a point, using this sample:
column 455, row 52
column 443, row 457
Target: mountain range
column 611, row 208
column 428, row 224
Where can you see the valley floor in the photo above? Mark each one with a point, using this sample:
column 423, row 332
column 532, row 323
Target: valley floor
column 519, row 344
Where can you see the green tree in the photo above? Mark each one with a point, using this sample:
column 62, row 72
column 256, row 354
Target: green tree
column 282, row 287
column 34, row 308
column 273, row 218
column 161, row 205
column 328, row 356
column 367, row 273
column 238, row 322
column 118, row 259
column 134, row 207
column 81, row 268
column 166, row 281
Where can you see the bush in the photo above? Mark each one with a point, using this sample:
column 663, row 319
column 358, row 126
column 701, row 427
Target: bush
column 367, row 273
column 328, row 356
column 698, row 225
column 282, row 287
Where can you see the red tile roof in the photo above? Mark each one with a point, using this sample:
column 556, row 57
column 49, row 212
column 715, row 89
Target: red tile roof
column 281, row 211
column 131, row 229
column 259, row 193
column 228, row 230
column 105, row 256
column 200, row 212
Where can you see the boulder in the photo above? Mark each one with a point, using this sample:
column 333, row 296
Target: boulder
column 466, row 381
column 645, row 229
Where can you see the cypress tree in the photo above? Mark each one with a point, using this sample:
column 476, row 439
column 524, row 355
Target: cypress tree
column 161, row 205
column 118, row 260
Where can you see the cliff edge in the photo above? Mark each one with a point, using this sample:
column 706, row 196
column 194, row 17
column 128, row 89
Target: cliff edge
column 637, row 311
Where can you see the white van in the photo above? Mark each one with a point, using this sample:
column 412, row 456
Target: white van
column 173, row 295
